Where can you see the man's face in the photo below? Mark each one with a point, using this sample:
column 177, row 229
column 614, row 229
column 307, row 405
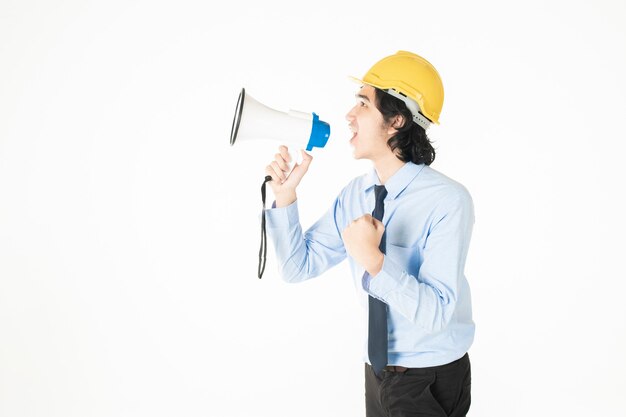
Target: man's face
column 370, row 135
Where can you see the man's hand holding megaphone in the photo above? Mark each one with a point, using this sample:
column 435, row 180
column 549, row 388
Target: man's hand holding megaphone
column 285, row 180
column 255, row 121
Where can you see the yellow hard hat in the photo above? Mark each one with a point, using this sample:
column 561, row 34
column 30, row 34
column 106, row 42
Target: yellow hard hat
column 407, row 75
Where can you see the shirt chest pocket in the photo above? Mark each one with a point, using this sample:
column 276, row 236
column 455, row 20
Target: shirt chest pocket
column 409, row 258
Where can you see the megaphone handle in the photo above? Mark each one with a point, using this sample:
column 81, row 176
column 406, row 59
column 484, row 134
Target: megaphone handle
column 296, row 158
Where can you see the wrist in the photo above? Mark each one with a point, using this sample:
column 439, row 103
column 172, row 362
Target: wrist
column 375, row 265
column 285, row 198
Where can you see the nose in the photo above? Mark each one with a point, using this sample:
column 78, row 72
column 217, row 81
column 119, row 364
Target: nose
column 350, row 114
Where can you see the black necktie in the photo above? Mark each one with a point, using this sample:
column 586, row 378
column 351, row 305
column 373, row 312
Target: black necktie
column 377, row 336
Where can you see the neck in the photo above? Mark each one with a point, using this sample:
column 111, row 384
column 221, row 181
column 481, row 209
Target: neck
column 387, row 166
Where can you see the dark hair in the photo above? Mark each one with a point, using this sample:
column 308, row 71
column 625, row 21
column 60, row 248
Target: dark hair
column 411, row 142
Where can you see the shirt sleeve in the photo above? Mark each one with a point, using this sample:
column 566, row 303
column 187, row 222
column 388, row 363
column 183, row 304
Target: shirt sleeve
column 303, row 256
column 430, row 298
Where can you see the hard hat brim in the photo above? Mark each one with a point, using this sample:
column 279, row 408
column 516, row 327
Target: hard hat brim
column 422, row 120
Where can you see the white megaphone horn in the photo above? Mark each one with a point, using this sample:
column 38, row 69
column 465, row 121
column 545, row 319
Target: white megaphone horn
column 298, row 130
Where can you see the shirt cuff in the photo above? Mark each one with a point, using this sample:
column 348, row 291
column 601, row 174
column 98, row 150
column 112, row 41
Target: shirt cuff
column 386, row 281
column 282, row 217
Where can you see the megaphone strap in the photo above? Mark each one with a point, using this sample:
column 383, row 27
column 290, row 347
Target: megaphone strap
column 263, row 248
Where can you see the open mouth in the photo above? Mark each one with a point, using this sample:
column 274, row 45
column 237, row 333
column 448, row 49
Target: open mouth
column 354, row 132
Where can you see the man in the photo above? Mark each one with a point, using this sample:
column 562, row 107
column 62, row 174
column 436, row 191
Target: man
column 405, row 229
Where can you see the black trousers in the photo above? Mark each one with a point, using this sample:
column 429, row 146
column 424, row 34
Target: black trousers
column 436, row 391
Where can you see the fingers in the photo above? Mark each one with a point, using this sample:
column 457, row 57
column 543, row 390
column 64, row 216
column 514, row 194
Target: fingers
column 283, row 158
column 366, row 219
column 375, row 221
column 370, row 220
column 380, row 227
column 280, row 163
column 284, row 153
column 274, row 171
column 279, row 167
column 306, row 159
column 280, row 170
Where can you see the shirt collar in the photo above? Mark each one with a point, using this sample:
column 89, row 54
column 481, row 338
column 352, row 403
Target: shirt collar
column 398, row 181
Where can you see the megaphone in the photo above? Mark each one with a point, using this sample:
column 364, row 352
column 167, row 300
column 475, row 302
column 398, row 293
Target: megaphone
column 256, row 121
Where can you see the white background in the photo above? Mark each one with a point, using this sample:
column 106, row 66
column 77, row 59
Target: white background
column 129, row 227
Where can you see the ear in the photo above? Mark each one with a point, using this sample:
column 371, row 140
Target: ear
column 396, row 123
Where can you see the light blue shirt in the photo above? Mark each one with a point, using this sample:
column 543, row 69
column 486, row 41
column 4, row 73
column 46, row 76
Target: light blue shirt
column 428, row 224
